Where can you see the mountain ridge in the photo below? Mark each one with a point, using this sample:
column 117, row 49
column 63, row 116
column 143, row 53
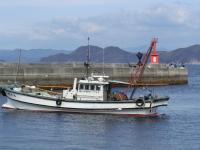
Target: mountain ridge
column 27, row 56
column 113, row 54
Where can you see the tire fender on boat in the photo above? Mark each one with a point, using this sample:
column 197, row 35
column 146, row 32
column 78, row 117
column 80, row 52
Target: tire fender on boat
column 58, row 102
column 140, row 102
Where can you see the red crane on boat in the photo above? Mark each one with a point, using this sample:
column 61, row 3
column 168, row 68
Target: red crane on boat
column 139, row 70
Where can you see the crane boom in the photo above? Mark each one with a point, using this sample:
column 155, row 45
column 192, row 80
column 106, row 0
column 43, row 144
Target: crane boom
column 139, row 70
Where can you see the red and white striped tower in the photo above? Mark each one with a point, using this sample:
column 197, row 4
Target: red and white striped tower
column 154, row 54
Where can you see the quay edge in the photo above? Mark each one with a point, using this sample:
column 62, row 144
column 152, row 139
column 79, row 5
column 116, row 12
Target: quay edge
column 63, row 74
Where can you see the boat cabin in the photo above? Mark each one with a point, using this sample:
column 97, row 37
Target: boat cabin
column 94, row 88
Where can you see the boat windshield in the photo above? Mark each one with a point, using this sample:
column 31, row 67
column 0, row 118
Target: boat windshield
column 91, row 87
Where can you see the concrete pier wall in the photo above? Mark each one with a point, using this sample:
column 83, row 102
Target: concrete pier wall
column 63, row 74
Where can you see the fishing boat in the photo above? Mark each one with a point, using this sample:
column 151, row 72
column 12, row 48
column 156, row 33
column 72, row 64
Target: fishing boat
column 92, row 94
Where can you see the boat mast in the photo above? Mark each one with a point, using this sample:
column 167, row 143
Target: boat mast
column 103, row 63
column 18, row 65
column 87, row 63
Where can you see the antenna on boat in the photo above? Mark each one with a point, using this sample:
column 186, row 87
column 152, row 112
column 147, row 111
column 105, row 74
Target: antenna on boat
column 103, row 62
column 87, row 63
column 18, row 65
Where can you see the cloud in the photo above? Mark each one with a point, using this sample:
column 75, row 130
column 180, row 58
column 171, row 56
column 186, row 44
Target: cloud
column 173, row 15
column 53, row 3
column 124, row 28
column 91, row 27
column 72, row 27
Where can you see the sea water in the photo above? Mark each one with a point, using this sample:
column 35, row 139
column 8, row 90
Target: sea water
column 178, row 128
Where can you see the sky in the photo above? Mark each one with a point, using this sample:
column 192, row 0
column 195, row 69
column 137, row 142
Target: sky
column 66, row 24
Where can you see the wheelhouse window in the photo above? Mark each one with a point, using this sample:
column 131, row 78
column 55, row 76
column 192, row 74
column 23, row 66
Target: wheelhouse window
column 92, row 87
column 81, row 87
column 86, row 87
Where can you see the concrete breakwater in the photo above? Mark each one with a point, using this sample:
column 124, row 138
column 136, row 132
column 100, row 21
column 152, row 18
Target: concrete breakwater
column 63, row 74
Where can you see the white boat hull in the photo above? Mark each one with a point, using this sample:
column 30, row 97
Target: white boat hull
column 22, row 101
